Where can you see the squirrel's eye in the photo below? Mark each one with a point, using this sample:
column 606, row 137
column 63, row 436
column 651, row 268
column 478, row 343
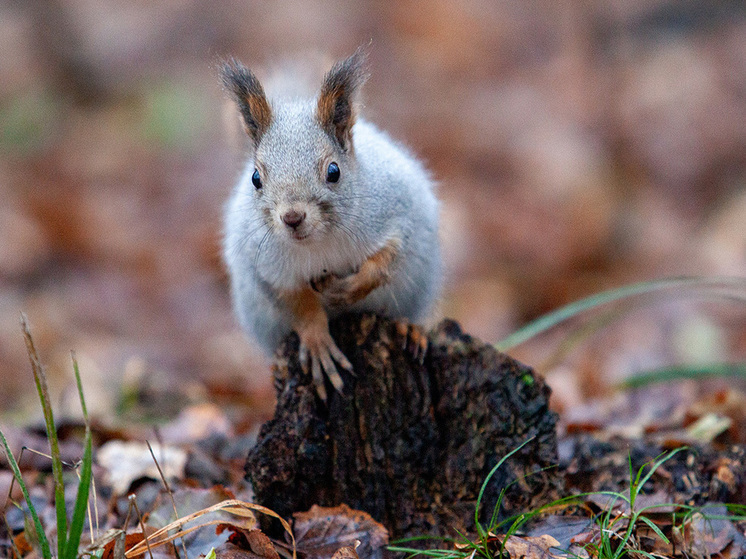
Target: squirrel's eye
column 332, row 172
column 256, row 180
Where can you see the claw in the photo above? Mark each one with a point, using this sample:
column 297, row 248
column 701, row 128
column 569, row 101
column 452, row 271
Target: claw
column 414, row 340
column 340, row 358
column 320, row 284
column 303, row 357
column 402, row 327
column 318, row 378
column 423, row 348
column 322, row 352
column 331, row 370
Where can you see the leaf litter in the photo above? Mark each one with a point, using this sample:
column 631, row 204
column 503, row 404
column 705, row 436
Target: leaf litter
column 202, row 518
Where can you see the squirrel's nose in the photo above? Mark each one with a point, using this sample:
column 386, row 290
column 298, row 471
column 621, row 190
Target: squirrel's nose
column 293, row 219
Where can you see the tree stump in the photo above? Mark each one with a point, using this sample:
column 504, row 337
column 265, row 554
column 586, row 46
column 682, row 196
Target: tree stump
column 409, row 443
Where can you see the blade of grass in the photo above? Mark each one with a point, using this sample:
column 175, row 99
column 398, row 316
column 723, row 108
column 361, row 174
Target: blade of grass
column 634, row 479
column 429, row 552
column 444, row 539
column 583, row 332
column 492, row 473
column 658, row 463
column 43, row 541
column 654, row 528
column 684, row 372
column 551, row 319
column 489, row 477
column 81, row 499
column 40, row 380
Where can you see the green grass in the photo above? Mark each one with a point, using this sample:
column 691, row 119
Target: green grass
column 481, row 546
column 617, row 531
column 682, row 372
column 68, row 534
column 611, row 306
column 732, row 289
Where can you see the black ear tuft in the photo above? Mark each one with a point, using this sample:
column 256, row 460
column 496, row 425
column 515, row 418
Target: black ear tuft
column 335, row 109
column 249, row 95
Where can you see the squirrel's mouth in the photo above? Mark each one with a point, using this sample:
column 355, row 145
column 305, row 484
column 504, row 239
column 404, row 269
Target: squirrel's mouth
column 298, row 236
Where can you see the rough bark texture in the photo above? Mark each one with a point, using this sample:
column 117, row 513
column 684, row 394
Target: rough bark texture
column 408, row 443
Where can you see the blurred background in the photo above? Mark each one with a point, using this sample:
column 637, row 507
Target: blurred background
column 579, row 145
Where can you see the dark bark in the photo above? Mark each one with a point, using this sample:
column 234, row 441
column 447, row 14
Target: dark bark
column 408, row 443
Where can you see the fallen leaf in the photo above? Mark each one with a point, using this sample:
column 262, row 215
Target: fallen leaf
column 22, row 544
column 125, row 462
column 323, row 531
column 130, row 540
column 347, row 552
column 563, row 528
column 531, row 547
column 191, row 500
column 195, row 423
column 708, row 427
column 255, row 543
column 711, row 531
column 261, row 544
column 229, row 550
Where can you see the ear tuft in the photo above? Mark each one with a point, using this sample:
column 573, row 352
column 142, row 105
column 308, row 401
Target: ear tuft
column 335, row 109
column 249, row 95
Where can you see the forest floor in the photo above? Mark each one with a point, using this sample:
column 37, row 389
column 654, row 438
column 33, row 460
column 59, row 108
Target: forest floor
column 673, row 485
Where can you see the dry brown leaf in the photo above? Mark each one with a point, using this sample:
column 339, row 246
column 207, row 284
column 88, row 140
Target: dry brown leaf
column 323, row 531
column 22, row 544
column 247, row 543
column 232, row 506
column 229, row 550
column 261, row 544
column 562, row 528
column 130, row 540
column 347, row 552
column 712, row 534
column 126, row 461
column 531, row 547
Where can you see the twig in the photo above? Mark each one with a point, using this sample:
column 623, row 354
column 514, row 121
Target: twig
column 133, row 499
column 170, row 494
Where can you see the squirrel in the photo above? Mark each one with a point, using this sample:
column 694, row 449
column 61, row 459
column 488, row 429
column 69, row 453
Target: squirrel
column 329, row 215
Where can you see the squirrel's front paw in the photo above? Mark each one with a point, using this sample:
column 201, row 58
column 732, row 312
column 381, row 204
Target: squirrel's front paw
column 341, row 291
column 319, row 352
column 322, row 283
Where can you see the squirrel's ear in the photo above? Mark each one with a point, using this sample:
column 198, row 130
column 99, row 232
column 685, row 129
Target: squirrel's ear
column 335, row 110
column 249, row 95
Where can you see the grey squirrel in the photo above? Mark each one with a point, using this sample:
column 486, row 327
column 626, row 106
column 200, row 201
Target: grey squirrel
column 330, row 215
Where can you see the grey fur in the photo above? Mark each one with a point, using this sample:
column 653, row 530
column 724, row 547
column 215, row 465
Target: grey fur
column 383, row 193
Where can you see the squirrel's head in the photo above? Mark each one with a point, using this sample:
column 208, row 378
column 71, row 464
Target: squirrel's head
column 304, row 174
